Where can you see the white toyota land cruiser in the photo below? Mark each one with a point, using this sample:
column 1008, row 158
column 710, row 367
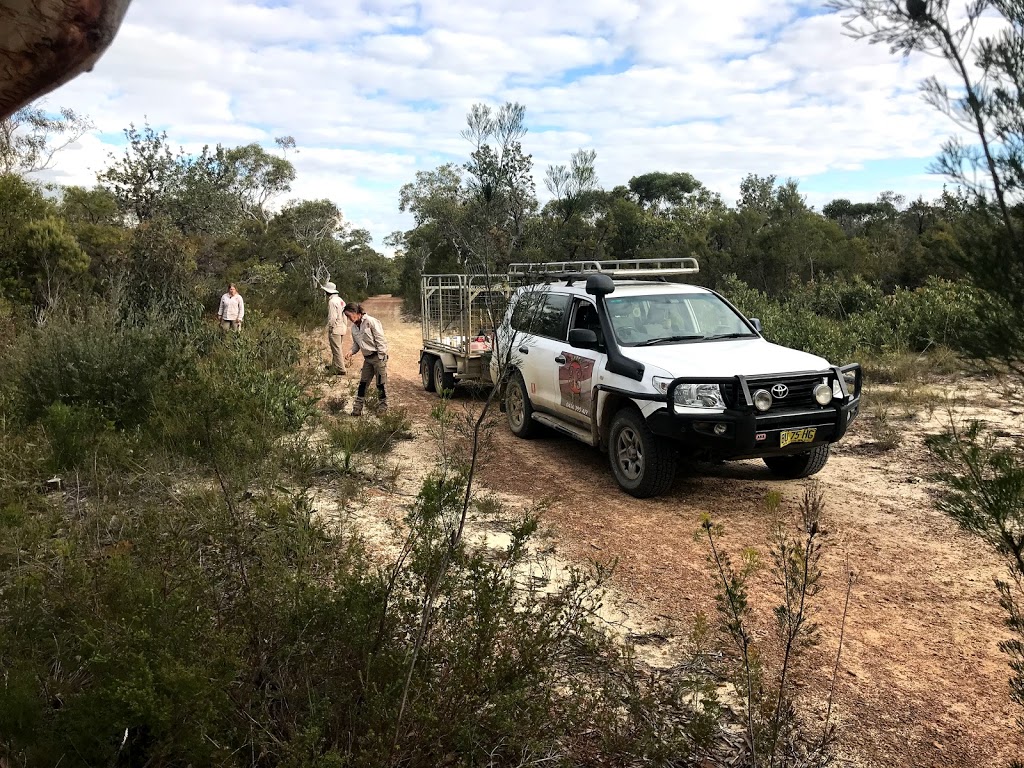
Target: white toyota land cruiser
column 654, row 372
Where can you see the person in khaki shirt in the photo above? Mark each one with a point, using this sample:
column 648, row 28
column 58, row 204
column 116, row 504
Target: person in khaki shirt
column 336, row 327
column 368, row 338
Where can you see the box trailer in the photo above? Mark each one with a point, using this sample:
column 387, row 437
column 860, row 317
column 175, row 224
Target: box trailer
column 458, row 315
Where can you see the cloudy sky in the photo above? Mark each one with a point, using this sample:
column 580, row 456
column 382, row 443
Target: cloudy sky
column 374, row 90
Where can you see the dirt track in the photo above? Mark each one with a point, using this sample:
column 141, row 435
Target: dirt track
column 922, row 681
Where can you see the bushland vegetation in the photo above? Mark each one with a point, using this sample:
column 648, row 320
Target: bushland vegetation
column 169, row 592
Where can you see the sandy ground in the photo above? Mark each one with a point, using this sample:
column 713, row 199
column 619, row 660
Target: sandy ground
column 922, row 681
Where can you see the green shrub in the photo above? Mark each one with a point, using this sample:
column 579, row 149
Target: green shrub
column 206, row 629
column 74, row 433
column 840, row 319
column 939, row 313
column 94, row 362
column 245, row 392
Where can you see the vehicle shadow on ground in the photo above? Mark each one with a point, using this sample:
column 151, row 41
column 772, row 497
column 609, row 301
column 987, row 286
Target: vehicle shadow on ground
column 689, row 474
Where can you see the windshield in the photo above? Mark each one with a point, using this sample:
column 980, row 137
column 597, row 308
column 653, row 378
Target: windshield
column 673, row 318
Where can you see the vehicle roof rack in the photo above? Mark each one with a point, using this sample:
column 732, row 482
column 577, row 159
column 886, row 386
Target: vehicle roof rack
column 623, row 268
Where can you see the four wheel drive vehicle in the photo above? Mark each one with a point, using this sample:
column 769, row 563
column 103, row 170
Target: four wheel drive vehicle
column 656, row 373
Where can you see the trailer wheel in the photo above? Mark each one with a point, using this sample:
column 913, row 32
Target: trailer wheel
column 443, row 380
column 427, row 372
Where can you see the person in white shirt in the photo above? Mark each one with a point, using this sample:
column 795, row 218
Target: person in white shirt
column 336, row 327
column 368, row 338
column 232, row 309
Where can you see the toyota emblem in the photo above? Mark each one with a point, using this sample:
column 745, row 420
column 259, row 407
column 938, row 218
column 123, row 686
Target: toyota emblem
column 779, row 391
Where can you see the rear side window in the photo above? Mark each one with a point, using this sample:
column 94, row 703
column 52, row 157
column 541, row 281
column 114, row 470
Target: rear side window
column 541, row 313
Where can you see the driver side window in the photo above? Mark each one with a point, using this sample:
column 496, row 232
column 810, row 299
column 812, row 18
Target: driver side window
column 585, row 316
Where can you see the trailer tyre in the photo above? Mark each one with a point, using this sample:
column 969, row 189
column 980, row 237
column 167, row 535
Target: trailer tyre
column 443, row 380
column 518, row 408
column 644, row 464
column 427, row 372
column 800, row 465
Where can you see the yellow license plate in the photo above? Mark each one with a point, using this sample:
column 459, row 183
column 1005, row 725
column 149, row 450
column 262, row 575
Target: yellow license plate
column 797, row 436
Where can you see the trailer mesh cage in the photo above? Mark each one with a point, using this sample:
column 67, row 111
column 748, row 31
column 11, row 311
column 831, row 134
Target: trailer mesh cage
column 460, row 312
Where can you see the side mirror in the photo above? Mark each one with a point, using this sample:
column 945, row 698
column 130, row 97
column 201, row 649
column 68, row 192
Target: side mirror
column 756, row 323
column 582, row 338
column 600, row 285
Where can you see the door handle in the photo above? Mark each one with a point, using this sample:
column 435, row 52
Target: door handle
column 560, row 359
column 524, row 350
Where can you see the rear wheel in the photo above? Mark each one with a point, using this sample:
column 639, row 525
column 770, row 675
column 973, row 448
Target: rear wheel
column 644, row 464
column 800, row 464
column 518, row 408
column 427, row 372
column 443, row 380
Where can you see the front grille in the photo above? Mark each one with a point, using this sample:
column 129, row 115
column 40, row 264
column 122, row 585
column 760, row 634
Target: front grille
column 799, row 391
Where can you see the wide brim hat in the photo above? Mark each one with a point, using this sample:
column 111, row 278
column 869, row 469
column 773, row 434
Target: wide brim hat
column 329, row 288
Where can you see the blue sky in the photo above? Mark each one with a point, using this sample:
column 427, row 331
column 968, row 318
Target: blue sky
column 374, row 90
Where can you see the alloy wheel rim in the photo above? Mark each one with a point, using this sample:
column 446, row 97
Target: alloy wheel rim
column 514, row 405
column 629, row 454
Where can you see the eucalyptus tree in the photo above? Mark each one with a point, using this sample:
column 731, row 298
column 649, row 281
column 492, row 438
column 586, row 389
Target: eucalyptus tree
column 31, row 138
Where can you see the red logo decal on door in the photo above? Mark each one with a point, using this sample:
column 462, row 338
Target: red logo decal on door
column 574, row 379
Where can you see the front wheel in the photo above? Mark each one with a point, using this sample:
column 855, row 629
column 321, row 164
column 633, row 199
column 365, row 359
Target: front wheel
column 799, row 465
column 644, row 464
column 518, row 408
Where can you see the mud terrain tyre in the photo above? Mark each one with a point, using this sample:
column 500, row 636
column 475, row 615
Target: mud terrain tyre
column 427, row 373
column 518, row 408
column 800, row 465
column 443, row 380
column 644, row 464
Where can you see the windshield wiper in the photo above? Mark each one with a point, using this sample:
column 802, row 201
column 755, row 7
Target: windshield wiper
column 666, row 339
column 744, row 335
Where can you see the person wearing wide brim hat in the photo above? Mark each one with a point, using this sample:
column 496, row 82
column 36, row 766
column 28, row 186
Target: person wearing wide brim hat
column 337, row 325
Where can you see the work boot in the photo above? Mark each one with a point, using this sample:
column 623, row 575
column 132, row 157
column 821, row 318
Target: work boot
column 382, row 406
column 357, row 406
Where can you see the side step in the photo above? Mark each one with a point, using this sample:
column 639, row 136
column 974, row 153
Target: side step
column 583, row 435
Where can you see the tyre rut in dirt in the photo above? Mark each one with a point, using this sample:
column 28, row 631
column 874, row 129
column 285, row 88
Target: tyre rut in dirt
column 644, row 464
column 427, row 372
column 443, row 381
column 800, row 465
column 518, row 408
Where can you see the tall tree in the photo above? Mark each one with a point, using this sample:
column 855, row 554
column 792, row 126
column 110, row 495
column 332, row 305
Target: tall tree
column 32, row 137
column 259, row 177
column 144, row 175
column 658, row 190
column 498, row 183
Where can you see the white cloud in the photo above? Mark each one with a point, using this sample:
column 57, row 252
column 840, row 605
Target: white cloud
column 374, row 90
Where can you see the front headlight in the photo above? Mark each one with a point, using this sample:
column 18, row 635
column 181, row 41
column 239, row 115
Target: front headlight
column 693, row 395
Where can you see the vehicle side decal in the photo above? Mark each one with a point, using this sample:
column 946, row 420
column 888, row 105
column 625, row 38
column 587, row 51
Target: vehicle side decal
column 575, row 379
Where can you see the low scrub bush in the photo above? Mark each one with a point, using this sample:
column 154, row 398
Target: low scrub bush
column 94, row 361
column 246, row 391
column 765, row 678
column 209, row 629
column 841, row 320
column 98, row 383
